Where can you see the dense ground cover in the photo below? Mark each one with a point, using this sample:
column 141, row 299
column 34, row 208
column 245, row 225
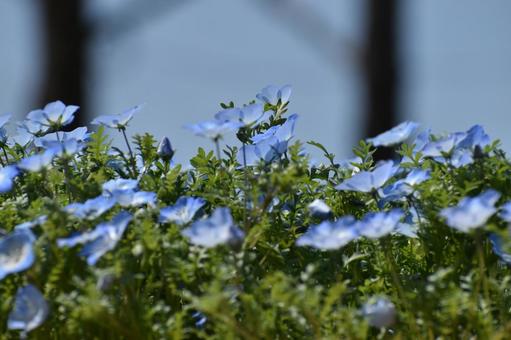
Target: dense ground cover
column 254, row 240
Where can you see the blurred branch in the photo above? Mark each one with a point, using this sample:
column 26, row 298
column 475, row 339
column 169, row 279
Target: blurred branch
column 132, row 16
column 310, row 26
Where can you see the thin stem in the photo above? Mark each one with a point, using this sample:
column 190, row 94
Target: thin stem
column 132, row 158
column 217, row 144
column 5, row 154
column 482, row 267
column 245, row 175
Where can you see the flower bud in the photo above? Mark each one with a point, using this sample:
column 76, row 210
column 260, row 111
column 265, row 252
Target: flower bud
column 379, row 313
column 165, row 150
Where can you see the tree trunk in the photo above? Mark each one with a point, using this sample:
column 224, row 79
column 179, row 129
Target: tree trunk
column 66, row 40
column 382, row 73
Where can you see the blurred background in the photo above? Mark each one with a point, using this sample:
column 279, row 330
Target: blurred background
column 357, row 67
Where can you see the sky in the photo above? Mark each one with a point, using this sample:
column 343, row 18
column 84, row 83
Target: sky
column 182, row 62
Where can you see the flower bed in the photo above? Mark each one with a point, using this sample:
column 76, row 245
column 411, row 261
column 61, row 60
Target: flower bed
column 254, row 240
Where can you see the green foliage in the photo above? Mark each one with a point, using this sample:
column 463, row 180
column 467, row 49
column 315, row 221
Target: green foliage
column 155, row 281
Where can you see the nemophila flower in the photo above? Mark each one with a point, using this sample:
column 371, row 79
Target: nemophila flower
column 367, row 181
column 92, row 208
column 100, row 240
column 505, row 212
column 408, row 227
column 53, row 116
column 272, row 94
column 7, row 175
column 183, row 211
column 459, row 158
column 114, row 186
column 36, row 163
column 118, row 121
column 471, row 212
column 330, row 235
column 475, row 136
column 378, row 224
column 270, row 145
column 136, row 199
column 30, row 310
column 496, row 243
column 404, row 187
column 318, row 208
column 79, row 134
column 350, row 164
column 165, row 150
column 249, row 115
column 30, row 224
column 22, row 138
column 16, row 252
column 218, row 229
column 442, row 146
column 67, row 147
column 213, row 129
column 379, row 312
column 396, row 135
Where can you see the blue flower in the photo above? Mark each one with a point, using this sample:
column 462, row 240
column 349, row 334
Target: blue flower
column 318, row 208
column 30, row 310
column 16, row 252
column 348, row 164
column 66, row 147
column 496, row 243
column 53, row 116
column 250, row 115
column 367, row 181
column 37, row 162
column 471, row 212
column 136, row 199
column 442, row 146
column 79, row 134
column 100, row 240
column 270, row 145
column 378, row 224
column 7, row 175
column 330, row 235
column 505, row 212
column 119, row 185
column 219, row 228
column 165, row 150
column 475, row 136
column 396, row 135
column 23, row 138
column 213, row 129
column 183, row 211
column 379, row 312
column 119, row 121
column 404, row 187
column 408, row 227
column 272, row 94
column 92, row 208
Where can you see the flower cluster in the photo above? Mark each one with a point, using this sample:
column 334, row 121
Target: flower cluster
column 105, row 241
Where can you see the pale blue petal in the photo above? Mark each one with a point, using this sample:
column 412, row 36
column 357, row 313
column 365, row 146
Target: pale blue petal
column 30, row 309
column 330, row 235
column 218, row 229
column 183, row 211
column 471, row 212
column 396, row 135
